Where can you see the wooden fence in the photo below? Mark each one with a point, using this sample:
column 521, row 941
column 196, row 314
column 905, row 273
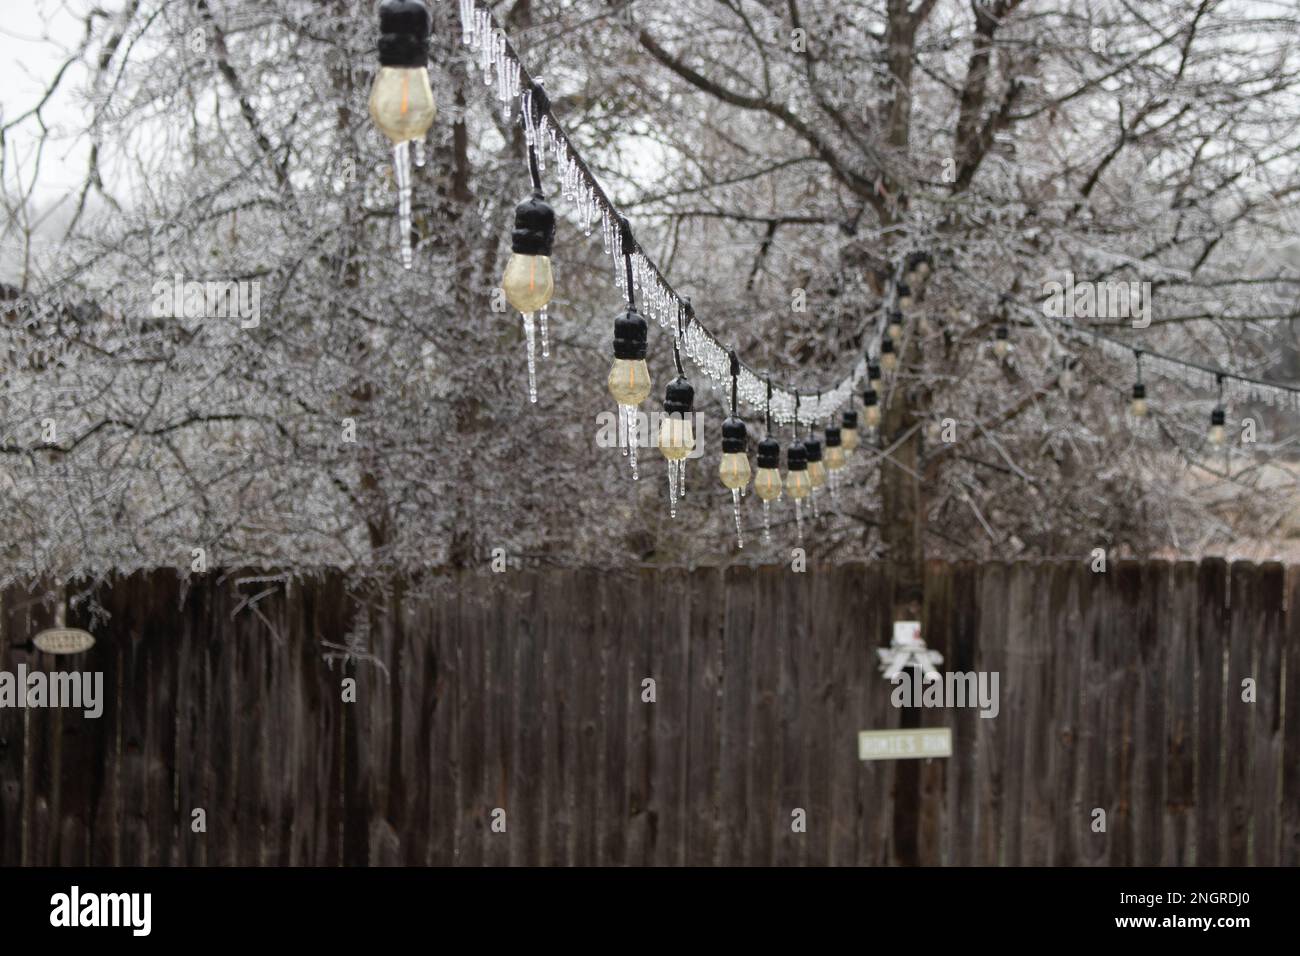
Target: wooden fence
column 523, row 692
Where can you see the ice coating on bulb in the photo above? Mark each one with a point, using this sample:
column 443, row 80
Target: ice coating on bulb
column 531, row 336
column 402, row 173
column 546, row 341
column 735, row 509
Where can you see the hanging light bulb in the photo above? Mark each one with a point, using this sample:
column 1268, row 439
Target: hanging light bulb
column 849, row 432
column 837, row 446
column 905, row 300
column 401, row 99
column 873, row 375
column 797, row 483
column 527, row 282
column 767, row 479
column 629, row 376
column 1139, row 404
column 677, row 434
column 1218, row 420
column 888, row 356
column 918, row 267
column 871, row 407
column 733, row 470
column 1001, row 340
column 816, row 467
column 895, row 327
column 1066, row 379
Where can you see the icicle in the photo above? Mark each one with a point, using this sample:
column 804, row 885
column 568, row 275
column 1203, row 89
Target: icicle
column 623, row 411
column 530, row 336
column 835, row 487
column 632, row 440
column 813, row 495
column 798, row 518
column 526, row 110
column 467, row 21
column 419, row 152
column 546, row 339
column 767, row 522
column 672, row 489
column 735, row 507
column 681, row 478
column 402, row 173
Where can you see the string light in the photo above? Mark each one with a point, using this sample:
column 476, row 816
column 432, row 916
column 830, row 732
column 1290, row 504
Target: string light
column 629, row 376
column 1218, row 419
column 733, row 470
column 676, row 431
column 849, row 432
column 835, row 456
column 528, row 283
column 895, row 327
column 1138, row 405
column 888, row 355
column 918, row 267
column 797, row 483
column 816, row 469
column 401, row 99
column 767, row 479
column 1066, row 379
column 871, row 407
column 1001, row 340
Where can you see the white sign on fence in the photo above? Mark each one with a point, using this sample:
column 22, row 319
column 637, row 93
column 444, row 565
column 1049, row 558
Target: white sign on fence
column 904, row 744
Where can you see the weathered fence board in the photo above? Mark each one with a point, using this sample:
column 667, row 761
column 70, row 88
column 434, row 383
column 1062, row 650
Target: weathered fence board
column 515, row 701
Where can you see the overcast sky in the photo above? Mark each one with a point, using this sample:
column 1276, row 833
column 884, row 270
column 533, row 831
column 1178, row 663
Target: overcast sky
column 35, row 36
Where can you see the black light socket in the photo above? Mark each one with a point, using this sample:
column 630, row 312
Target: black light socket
column 796, row 457
column 1218, row 417
column 404, row 27
column 630, row 333
column 850, row 420
column 679, row 397
column 887, row 346
column 813, row 448
column 873, row 372
column 1139, row 391
column 734, row 436
column 870, row 398
column 769, row 453
column 833, row 437
column 534, row 233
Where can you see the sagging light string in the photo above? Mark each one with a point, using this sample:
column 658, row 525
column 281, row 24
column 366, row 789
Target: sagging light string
column 480, row 31
column 1195, row 375
column 500, row 62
